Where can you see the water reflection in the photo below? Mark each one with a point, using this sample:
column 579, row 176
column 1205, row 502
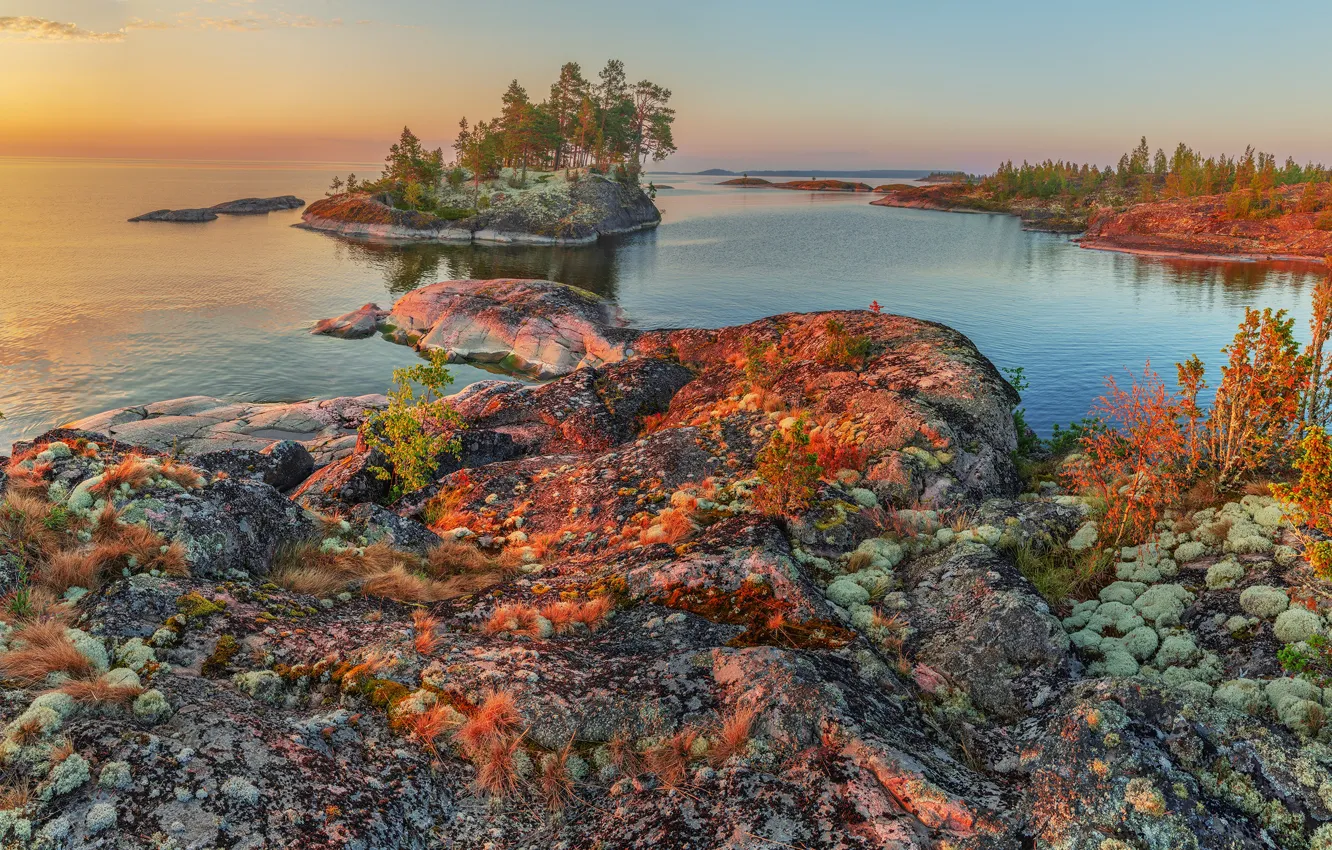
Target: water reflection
column 407, row 266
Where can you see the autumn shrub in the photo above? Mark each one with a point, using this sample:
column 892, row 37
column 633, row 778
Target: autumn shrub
column 788, row 470
column 414, row 430
column 1309, row 498
column 1323, row 220
column 1254, row 420
column 834, row 453
column 762, row 362
column 1134, row 461
column 842, row 348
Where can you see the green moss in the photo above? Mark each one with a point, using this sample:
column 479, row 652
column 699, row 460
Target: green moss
column 224, row 650
column 196, row 606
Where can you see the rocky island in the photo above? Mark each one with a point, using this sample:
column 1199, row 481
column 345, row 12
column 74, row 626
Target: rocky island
column 244, row 206
column 554, row 209
column 799, row 185
column 769, row 585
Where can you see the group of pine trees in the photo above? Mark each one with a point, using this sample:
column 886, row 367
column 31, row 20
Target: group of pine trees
column 1250, row 180
column 609, row 126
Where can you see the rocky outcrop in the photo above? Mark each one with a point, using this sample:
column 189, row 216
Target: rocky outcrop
column 531, row 327
column 585, row 211
column 244, row 206
column 1205, row 227
column 746, row 181
column 588, row 631
column 197, row 426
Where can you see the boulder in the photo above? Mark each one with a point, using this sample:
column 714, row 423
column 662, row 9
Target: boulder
column 533, row 327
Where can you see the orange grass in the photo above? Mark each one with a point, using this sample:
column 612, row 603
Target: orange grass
column 44, row 650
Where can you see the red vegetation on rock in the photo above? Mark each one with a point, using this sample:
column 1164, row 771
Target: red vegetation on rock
column 1207, row 225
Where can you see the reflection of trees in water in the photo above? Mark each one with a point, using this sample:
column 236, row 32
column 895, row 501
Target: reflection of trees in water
column 408, row 266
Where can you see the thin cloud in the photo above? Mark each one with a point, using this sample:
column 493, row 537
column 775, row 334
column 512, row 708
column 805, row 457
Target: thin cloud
column 41, row 29
column 253, row 22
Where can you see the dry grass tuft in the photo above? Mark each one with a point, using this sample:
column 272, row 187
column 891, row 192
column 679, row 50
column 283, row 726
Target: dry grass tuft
column 379, row 569
column 496, row 717
column 427, row 726
column 555, row 785
column 66, row 569
column 427, row 638
column 489, row 739
column 132, row 470
column 100, row 692
column 23, row 520
column 44, row 650
column 22, row 481
column 514, row 619
column 733, row 737
column 496, row 770
column 181, row 473
column 671, row 526
column 16, row 794
column 669, row 759
column 453, row 557
column 564, row 616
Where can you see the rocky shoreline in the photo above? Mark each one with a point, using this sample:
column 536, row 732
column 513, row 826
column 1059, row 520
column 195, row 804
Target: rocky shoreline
column 592, row 208
column 1203, row 228
column 590, row 628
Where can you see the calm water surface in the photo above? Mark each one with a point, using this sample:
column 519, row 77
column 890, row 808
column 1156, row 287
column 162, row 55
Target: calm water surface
column 98, row 313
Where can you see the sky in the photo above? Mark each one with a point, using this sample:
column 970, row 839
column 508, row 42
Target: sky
column 838, row 84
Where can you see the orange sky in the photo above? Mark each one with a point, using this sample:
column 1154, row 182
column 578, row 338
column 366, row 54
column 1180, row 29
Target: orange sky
column 873, row 84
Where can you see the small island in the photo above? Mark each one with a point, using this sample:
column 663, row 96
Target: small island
column 244, row 206
column 561, row 172
column 810, row 185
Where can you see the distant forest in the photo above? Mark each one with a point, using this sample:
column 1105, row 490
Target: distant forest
column 1251, row 180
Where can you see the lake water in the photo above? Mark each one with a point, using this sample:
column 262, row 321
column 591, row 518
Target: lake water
column 97, row 313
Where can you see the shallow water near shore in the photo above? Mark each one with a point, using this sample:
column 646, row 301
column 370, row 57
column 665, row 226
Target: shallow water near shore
column 97, row 313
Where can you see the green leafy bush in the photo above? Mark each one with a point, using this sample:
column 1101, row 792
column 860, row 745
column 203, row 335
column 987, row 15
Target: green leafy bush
column 789, row 471
column 414, row 430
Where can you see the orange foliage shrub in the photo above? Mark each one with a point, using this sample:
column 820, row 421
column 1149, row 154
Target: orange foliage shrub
column 1255, row 418
column 1310, row 497
column 1134, row 461
column 835, row 454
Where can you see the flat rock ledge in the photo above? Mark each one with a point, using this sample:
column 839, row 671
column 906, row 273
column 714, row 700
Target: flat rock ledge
column 243, row 206
column 197, row 425
column 536, row 328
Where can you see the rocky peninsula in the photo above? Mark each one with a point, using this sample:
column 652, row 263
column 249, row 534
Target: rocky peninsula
column 592, row 628
column 244, row 206
column 556, row 210
column 1205, row 226
column 1038, row 215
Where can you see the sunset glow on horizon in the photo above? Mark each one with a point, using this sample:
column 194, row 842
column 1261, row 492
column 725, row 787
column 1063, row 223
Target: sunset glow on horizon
column 756, row 85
